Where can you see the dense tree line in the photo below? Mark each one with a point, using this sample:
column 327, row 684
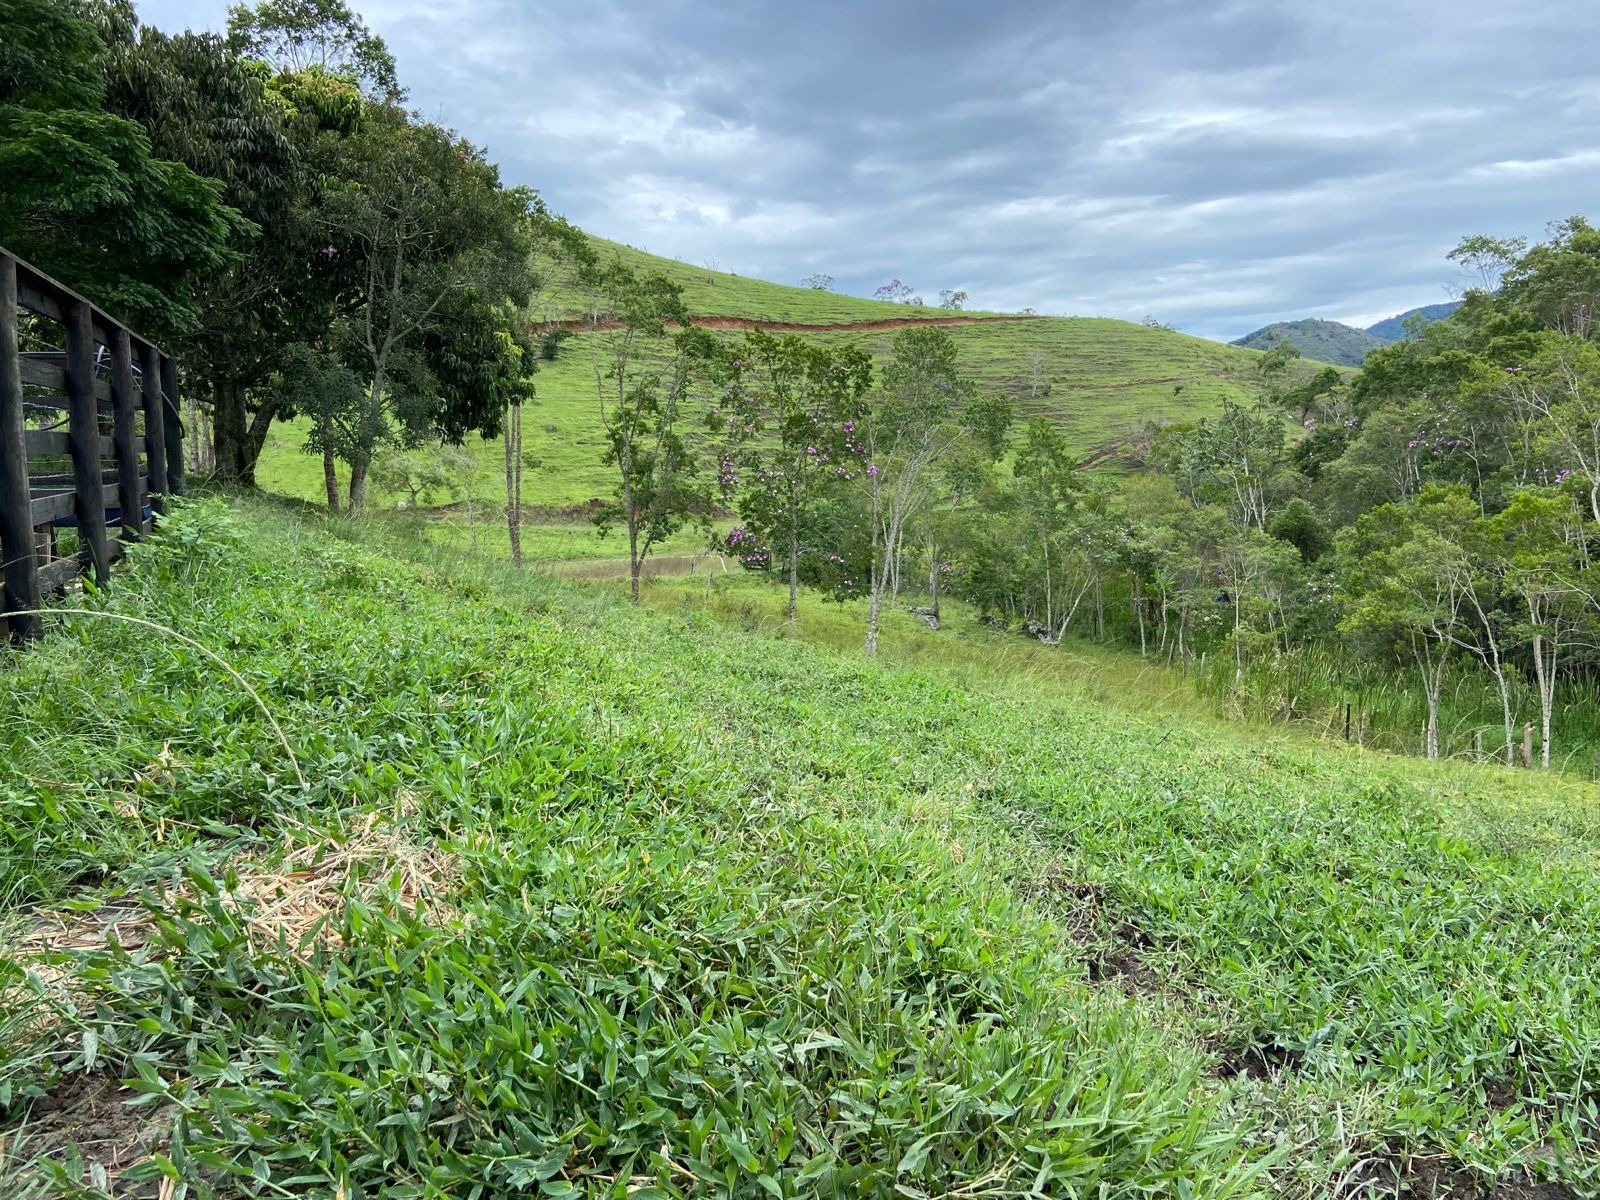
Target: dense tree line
column 1435, row 516
column 1429, row 522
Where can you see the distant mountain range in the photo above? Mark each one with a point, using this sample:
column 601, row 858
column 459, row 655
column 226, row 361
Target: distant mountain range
column 1335, row 342
column 1392, row 329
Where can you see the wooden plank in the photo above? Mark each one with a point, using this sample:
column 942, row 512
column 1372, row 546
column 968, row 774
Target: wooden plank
column 84, row 423
column 55, row 577
column 35, row 295
column 154, row 426
column 19, row 580
column 45, row 372
column 53, row 441
column 56, row 482
column 172, row 426
column 51, row 298
column 43, row 404
column 47, row 443
column 53, row 506
column 124, row 443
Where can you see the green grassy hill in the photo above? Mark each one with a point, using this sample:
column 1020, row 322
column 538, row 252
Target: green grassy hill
column 715, row 293
column 583, row 900
column 1099, row 378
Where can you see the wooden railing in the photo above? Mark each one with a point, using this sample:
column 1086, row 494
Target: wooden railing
column 90, row 438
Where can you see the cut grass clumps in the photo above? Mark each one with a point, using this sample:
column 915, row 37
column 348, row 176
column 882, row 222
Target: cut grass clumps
column 584, row 900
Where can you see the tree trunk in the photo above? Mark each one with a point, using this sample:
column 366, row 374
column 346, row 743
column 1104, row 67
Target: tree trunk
column 1138, row 613
column 794, row 573
column 259, row 424
column 361, row 461
column 882, row 580
column 1433, row 685
column 513, row 441
column 330, row 478
column 235, row 462
column 1545, row 676
column 358, row 482
column 933, row 579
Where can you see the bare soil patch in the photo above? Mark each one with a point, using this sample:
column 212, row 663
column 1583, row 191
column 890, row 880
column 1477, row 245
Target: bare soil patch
column 91, row 1112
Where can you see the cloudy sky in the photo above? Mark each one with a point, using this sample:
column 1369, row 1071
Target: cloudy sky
column 1215, row 164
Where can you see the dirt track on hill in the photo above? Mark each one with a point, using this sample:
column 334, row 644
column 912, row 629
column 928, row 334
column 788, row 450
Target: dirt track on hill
column 804, row 327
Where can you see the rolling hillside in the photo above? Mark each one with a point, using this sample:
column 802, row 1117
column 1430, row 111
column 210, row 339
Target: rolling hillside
column 1097, row 377
column 714, row 293
column 1327, row 341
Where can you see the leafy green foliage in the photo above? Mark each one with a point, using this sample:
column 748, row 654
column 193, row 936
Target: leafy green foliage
column 86, row 197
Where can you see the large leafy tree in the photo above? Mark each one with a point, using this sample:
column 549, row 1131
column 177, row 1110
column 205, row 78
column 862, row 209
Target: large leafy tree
column 425, row 222
column 223, row 115
column 83, row 193
column 323, row 36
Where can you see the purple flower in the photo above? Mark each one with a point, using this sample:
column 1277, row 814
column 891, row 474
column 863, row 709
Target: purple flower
column 872, row 471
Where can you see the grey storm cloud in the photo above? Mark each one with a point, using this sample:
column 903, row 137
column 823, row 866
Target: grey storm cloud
column 1216, row 165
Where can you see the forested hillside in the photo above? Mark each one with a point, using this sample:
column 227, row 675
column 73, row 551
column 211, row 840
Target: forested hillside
column 1392, row 329
column 1326, row 341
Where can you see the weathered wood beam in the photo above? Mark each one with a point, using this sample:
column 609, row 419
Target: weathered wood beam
column 20, row 588
column 173, row 427
column 130, row 495
column 155, row 437
column 83, row 422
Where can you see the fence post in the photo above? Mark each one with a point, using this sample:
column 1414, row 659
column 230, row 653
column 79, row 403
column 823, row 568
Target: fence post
column 155, row 425
column 129, row 496
column 173, row 420
column 83, row 428
column 20, row 589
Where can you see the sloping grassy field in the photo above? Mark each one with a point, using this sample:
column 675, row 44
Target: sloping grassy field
column 713, row 293
column 580, row 900
column 1097, row 378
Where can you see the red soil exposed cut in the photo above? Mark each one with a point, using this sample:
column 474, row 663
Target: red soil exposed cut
column 803, row 327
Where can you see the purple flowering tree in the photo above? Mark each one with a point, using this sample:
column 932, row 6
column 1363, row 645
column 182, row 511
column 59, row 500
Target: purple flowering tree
column 790, row 414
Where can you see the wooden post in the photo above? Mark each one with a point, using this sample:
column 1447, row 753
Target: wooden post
column 1527, row 745
column 173, row 416
column 130, row 498
column 155, row 426
column 20, row 589
column 83, row 428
